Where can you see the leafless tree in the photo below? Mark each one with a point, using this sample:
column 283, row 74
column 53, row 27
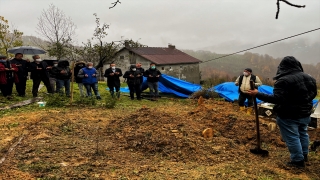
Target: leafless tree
column 58, row 29
column 278, row 5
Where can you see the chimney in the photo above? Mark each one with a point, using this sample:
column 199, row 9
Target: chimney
column 126, row 44
column 170, row 46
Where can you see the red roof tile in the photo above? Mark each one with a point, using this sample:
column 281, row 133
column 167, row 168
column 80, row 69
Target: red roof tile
column 161, row 55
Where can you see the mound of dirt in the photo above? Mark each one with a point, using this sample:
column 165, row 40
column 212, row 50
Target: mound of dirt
column 179, row 136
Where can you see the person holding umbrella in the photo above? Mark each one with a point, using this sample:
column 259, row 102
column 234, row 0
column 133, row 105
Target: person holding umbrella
column 39, row 72
column 23, row 67
column 8, row 75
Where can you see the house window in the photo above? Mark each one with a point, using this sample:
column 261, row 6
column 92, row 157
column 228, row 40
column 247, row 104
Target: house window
column 180, row 67
column 162, row 68
column 170, row 68
column 121, row 57
column 132, row 58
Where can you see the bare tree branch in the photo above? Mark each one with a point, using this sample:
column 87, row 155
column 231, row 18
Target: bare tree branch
column 114, row 4
column 287, row 2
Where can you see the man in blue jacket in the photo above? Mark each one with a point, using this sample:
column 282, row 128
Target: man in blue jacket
column 89, row 79
column 292, row 95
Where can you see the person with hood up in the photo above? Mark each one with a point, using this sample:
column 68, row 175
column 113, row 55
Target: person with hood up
column 113, row 75
column 23, row 68
column 133, row 80
column 292, row 95
column 78, row 66
column 89, row 79
column 63, row 74
column 243, row 82
column 8, row 75
column 153, row 75
column 52, row 76
column 39, row 72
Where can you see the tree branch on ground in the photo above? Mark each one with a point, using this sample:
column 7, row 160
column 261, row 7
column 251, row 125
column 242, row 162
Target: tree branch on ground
column 287, row 2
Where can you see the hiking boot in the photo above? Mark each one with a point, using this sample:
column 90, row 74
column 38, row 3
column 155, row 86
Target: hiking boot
column 249, row 111
column 305, row 157
column 242, row 108
column 296, row 164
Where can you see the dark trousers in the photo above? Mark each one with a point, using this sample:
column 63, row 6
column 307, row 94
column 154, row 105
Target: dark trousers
column 6, row 89
column 243, row 97
column 135, row 88
column 36, row 83
column 112, row 90
column 93, row 86
column 153, row 87
column 21, row 86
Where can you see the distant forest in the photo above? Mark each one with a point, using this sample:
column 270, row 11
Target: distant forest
column 230, row 67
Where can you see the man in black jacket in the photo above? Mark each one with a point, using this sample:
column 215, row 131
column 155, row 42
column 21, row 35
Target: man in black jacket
column 153, row 75
column 23, row 66
column 78, row 66
column 133, row 80
column 293, row 93
column 39, row 72
column 113, row 75
column 63, row 74
column 141, row 70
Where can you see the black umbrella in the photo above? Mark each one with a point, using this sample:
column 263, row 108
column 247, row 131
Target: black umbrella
column 26, row 50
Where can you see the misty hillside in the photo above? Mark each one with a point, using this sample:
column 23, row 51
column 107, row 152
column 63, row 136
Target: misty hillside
column 305, row 51
column 264, row 66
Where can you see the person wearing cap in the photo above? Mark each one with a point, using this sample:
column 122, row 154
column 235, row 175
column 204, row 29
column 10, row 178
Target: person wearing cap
column 153, row 75
column 243, row 82
column 133, row 80
column 78, row 66
column 39, row 72
column 23, row 69
column 8, row 75
column 292, row 95
column 113, row 75
column 89, row 76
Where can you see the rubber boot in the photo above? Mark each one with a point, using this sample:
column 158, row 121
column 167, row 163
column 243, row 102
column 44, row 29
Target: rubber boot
column 249, row 110
column 242, row 108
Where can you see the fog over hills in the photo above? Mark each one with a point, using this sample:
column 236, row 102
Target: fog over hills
column 306, row 51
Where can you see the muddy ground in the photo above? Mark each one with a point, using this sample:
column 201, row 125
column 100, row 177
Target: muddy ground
column 163, row 142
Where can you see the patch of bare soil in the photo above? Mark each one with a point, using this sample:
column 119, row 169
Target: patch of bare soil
column 151, row 143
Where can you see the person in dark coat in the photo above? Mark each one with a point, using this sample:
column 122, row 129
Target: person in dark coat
column 8, row 75
column 52, row 76
column 141, row 70
column 133, row 80
column 89, row 76
column 78, row 66
column 23, row 66
column 39, row 72
column 153, row 75
column 113, row 75
column 292, row 95
column 63, row 74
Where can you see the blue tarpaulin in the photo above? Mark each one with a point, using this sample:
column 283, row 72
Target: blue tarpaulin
column 229, row 91
column 171, row 85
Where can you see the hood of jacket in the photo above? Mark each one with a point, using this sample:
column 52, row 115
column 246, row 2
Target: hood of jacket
column 288, row 65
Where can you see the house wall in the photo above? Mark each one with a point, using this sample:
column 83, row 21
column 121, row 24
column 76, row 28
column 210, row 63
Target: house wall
column 187, row 72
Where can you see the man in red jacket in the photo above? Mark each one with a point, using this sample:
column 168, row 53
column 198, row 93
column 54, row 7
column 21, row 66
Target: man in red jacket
column 7, row 76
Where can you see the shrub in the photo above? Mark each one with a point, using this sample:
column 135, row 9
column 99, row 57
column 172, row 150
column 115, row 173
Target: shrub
column 110, row 102
column 86, row 101
column 56, row 100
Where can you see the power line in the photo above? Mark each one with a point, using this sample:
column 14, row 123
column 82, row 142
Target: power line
column 260, row 45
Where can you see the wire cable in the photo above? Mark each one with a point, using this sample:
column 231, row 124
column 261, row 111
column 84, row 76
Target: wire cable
column 261, row 45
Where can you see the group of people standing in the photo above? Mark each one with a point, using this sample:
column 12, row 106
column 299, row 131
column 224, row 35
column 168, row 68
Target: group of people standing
column 57, row 76
column 134, row 77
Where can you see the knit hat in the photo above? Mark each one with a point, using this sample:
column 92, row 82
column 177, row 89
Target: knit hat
column 248, row 69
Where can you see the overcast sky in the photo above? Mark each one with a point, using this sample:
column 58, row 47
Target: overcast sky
column 188, row 24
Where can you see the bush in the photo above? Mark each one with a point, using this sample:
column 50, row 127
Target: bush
column 110, row 102
column 86, row 101
column 206, row 93
column 56, row 100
